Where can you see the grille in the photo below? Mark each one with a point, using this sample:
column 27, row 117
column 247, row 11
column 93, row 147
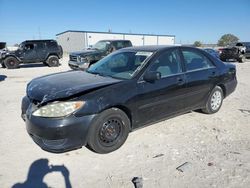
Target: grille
column 72, row 58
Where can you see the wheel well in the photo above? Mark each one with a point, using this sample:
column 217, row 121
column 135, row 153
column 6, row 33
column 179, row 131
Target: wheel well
column 223, row 89
column 126, row 111
column 51, row 55
column 13, row 57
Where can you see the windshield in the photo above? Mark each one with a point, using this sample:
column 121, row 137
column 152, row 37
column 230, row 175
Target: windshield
column 121, row 65
column 102, row 45
column 21, row 46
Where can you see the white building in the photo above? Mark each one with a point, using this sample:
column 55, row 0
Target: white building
column 78, row 40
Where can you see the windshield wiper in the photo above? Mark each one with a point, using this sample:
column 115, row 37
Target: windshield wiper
column 96, row 73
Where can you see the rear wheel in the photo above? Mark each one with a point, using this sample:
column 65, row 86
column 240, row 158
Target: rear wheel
column 109, row 131
column 214, row 101
column 11, row 63
column 52, row 61
column 242, row 59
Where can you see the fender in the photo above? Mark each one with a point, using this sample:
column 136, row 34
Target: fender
column 12, row 55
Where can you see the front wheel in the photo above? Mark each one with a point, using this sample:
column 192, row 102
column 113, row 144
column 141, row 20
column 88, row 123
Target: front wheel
column 53, row 61
column 109, row 131
column 214, row 101
column 11, row 63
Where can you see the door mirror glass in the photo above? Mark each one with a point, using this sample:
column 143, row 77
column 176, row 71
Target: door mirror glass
column 152, row 76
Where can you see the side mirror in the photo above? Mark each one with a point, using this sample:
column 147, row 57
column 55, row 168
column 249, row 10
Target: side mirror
column 152, row 76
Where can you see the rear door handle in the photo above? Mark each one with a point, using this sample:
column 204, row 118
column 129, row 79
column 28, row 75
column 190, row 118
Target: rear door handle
column 180, row 81
column 213, row 74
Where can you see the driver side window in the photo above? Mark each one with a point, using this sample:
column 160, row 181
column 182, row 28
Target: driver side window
column 195, row 60
column 168, row 63
column 29, row 46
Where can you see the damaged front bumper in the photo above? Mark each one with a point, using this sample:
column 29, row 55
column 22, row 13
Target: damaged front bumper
column 78, row 65
column 57, row 135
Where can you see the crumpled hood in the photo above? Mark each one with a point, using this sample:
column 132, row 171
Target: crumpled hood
column 63, row 85
column 85, row 52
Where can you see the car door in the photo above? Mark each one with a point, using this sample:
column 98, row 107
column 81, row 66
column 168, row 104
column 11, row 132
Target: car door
column 201, row 75
column 29, row 54
column 162, row 97
column 41, row 50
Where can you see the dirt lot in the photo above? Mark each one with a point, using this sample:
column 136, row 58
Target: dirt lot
column 215, row 147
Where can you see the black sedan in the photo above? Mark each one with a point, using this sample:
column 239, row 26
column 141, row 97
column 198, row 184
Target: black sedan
column 124, row 91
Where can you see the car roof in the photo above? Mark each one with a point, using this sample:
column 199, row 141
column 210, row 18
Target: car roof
column 153, row 48
column 48, row 40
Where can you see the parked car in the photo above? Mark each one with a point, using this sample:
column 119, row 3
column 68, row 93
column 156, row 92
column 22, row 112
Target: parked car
column 239, row 51
column 33, row 51
column 2, row 49
column 82, row 60
column 213, row 52
column 122, row 92
column 2, row 45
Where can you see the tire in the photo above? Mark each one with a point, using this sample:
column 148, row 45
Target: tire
column 11, row 63
column 3, row 66
column 53, row 61
column 214, row 101
column 109, row 131
column 242, row 59
column 91, row 63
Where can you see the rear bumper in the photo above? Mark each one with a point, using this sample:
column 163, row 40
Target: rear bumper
column 230, row 86
column 228, row 57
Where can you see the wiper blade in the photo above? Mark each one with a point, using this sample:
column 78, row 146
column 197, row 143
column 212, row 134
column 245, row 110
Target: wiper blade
column 96, row 73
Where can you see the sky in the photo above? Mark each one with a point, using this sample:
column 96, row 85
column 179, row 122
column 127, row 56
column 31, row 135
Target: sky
column 188, row 20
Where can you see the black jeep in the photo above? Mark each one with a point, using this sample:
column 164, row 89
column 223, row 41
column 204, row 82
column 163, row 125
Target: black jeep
column 33, row 51
column 82, row 60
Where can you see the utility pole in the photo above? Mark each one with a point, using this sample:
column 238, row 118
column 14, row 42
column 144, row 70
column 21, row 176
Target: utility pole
column 39, row 33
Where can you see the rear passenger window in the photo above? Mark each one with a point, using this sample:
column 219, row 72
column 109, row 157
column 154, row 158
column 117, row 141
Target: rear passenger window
column 51, row 44
column 195, row 60
column 168, row 63
column 40, row 46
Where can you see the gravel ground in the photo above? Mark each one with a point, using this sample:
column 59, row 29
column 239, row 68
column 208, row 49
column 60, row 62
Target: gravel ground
column 215, row 149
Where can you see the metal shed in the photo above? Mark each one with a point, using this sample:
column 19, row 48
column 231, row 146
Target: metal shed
column 78, row 40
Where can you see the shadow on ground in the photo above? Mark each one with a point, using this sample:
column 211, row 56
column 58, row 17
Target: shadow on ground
column 2, row 77
column 32, row 65
column 37, row 171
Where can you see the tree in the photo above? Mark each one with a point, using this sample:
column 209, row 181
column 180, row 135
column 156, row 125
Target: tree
column 197, row 44
column 227, row 39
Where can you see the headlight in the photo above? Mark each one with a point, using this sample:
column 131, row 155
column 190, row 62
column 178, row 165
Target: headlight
column 83, row 59
column 59, row 109
column 78, row 58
